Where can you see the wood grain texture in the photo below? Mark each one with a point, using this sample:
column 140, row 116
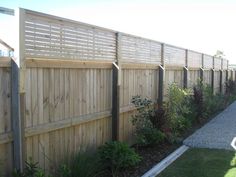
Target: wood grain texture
column 6, row 137
column 194, row 77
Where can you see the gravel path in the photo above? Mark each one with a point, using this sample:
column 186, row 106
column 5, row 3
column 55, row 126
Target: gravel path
column 218, row 133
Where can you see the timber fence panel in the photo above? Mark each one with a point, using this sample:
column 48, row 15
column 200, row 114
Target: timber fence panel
column 6, row 138
column 66, row 105
column 194, row 76
column 173, row 75
column 207, row 77
column 217, row 81
column 135, row 82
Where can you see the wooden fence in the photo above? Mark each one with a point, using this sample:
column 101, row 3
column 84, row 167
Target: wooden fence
column 76, row 82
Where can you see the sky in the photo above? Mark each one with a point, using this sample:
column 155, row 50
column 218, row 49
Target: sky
column 201, row 25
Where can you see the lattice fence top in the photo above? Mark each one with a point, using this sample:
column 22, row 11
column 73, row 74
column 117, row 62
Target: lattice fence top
column 174, row 56
column 136, row 49
column 52, row 37
column 217, row 63
column 47, row 36
column 224, row 64
column 194, row 59
column 208, row 62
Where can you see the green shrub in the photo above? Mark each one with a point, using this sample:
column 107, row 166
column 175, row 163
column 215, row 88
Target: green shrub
column 117, row 156
column 31, row 170
column 146, row 122
column 83, row 164
column 198, row 101
column 178, row 109
column 230, row 87
column 149, row 136
column 212, row 102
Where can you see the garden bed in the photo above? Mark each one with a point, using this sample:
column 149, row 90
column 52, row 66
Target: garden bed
column 154, row 154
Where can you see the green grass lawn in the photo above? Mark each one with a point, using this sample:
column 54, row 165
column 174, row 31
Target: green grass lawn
column 202, row 163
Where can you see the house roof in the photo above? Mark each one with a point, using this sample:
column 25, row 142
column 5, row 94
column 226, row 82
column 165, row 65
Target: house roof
column 6, row 45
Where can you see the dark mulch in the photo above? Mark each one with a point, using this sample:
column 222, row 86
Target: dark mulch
column 150, row 157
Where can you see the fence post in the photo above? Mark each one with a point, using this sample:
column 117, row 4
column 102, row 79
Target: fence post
column 161, row 85
column 185, row 84
column 161, row 73
column 213, row 75
column 115, row 102
column 116, row 71
column 201, row 74
column 221, row 77
column 16, row 118
column 213, row 80
column 185, row 77
column 201, row 69
column 221, row 81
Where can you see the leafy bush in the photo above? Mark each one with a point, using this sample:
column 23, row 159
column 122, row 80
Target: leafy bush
column 212, row 102
column 149, row 136
column 230, row 87
column 31, row 170
column 146, row 122
column 83, row 164
column 178, row 109
column 117, row 156
column 206, row 102
column 198, row 101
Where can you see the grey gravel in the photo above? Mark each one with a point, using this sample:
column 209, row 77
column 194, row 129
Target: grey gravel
column 216, row 134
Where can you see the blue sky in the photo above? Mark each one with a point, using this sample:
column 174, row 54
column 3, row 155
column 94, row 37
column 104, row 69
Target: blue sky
column 203, row 25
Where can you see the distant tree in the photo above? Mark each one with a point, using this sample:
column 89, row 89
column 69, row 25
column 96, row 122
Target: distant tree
column 219, row 54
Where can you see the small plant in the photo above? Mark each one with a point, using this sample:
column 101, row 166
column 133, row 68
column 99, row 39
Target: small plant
column 117, row 155
column 31, row 170
column 146, row 122
column 83, row 164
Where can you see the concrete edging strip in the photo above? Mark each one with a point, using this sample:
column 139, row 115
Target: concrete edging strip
column 157, row 169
